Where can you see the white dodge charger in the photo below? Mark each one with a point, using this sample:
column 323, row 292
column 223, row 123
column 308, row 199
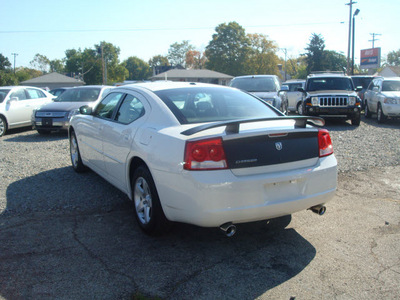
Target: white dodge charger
column 204, row 154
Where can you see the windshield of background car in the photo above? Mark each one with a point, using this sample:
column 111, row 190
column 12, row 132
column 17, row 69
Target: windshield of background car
column 329, row 83
column 79, row 95
column 3, row 95
column 390, row 86
column 362, row 81
column 197, row 105
column 255, row 84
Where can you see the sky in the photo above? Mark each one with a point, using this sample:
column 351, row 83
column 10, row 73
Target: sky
column 148, row 27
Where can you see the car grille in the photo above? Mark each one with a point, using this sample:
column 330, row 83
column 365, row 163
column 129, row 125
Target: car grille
column 47, row 114
column 333, row 101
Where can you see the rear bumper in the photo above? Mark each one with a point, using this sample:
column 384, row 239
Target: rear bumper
column 210, row 199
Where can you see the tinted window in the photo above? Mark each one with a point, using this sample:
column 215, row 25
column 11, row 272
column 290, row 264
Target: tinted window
column 107, row 106
column 255, row 84
column 130, row 110
column 390, row 86
column 196, row 105
column 362, row 81
column 3, row 95
column 79, row 95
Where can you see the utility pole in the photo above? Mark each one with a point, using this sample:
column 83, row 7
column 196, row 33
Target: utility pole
column 284, row 51
column 348, row 48
column 374, row 39
column 15, row 54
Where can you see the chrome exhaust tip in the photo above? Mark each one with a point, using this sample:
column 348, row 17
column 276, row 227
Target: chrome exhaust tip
column 228, row 229
column 318, row 209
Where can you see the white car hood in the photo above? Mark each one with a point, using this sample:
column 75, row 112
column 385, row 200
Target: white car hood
column 392, row 94
column 264, row 95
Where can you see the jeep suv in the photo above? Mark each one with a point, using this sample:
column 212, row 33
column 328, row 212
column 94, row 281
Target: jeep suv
column 331, row 95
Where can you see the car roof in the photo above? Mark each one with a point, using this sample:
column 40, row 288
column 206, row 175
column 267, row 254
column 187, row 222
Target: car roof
column 390, row 78
column 255, row 76
column 165, row 85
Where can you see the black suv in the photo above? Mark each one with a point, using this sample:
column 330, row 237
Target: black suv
column 331, row 95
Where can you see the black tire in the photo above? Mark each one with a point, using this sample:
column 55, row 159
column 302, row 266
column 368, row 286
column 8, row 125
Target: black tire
column 3, row 126
column 355, row 121
column 75, row 154
column 367, row 112
column 300, row 108
column 147, row 207
column 380, row 115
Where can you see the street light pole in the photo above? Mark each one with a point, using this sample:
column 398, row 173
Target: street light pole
column 352, row 54
column 348, row 48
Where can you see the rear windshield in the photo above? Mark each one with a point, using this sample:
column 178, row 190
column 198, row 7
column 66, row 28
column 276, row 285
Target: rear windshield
column 203, row 104
column 79, row 95
column 330, row 83
column 255, row 84
column 3, row 94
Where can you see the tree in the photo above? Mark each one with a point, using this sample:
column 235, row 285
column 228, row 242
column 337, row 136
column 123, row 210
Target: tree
column 177, row 53
column 334, row 61
column 195, row 59
column 40, row 62
column 393, row 58
column 137, row 68
column 57, row 65
column 261, row 57
column 23, row 74
column 73, row 61
column 228, row 49
column 158, row 60
column 4, row 62
column 315, row 54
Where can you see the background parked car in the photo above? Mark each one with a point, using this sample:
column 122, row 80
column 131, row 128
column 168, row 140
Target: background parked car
column 58, row 91
column 266, row 87
column 293, row 94
column 363, row 81
column 17, row 104
column 55, row 116
column 383, row 98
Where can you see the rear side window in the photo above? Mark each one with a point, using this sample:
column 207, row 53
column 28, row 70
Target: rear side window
column 197, row 105
column 35, row 94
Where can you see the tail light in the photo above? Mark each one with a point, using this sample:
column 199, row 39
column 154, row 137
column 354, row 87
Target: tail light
column 324, row 143
column 205, row 155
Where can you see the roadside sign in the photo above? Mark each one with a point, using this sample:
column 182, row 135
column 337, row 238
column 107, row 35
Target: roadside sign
column 370, row 58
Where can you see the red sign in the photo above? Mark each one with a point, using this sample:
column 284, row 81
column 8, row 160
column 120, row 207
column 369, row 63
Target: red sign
column 370, row 58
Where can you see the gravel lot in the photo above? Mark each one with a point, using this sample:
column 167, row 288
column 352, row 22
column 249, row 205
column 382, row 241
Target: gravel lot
column 67, row 236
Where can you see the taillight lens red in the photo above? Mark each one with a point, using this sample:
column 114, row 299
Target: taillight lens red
column 205, row 155
column 324, row 143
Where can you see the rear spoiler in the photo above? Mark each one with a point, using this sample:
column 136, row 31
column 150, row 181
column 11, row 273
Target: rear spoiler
column 232, row 126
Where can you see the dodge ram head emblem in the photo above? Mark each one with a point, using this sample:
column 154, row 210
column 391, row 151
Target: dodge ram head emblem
column 278, row 146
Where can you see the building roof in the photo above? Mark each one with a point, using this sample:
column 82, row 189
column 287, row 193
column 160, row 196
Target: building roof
column 53, row 78
column 198, row 73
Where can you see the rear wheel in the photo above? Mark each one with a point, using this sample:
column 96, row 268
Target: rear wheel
column 148, row 211
column 3, row 126
column 380, row 115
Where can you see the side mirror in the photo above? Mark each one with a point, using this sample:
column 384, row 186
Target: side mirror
column 284, row 88
column 86, row 110
column 12, row 99
column 300, row 89
column 375, row 89
column 359, row 89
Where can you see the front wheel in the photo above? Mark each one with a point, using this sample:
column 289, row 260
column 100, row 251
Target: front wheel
column 148, row 211
column 367, row 112
column 300, row 109
column 76, row 159
column 355, row 121
column 3, row 126
column 380, row 115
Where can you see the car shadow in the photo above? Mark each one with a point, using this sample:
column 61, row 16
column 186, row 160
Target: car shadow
column 83, row 242
column 34, row 136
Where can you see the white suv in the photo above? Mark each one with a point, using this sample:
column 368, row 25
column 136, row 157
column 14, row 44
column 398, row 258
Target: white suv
column 383, row 98
column 17, row 104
